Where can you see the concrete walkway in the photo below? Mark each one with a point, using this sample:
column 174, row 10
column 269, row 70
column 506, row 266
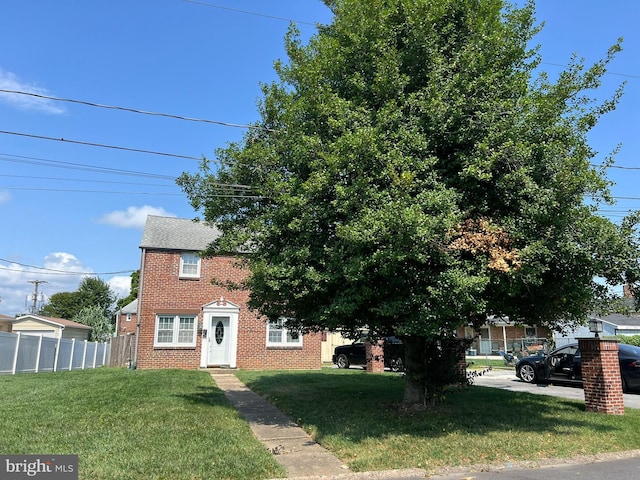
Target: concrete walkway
column 296, row 451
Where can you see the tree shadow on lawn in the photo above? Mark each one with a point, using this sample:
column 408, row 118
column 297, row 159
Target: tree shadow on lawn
column 205, row 395
column 362, row 406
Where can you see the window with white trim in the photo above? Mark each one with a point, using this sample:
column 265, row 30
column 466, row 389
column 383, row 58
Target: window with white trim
column 280, row 336
column 175, row 331
column 189, row 265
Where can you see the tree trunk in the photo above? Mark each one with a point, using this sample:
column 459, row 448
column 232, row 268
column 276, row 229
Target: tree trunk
column 431, row 366
column 414, row 386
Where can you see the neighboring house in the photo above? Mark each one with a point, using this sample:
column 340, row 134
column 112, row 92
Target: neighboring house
column 612, row 325
column 623, row 325
column 188, row 321
column 126, row 319
column 50, row 327
column 5, row 323
column 501, row 335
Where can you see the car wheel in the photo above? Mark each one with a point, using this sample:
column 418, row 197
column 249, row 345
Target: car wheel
column 625, row 389
column 528, row 373
column 343, row 361
column 397, row 365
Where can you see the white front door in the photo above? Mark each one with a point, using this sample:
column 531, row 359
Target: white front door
column 219, row 339
column 219, row 334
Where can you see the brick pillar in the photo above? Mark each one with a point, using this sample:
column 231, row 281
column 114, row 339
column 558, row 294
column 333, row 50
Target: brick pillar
column 462, row 361
column 374, row 354
column 601, row 376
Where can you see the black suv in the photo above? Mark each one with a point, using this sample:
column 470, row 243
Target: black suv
column 346, row 355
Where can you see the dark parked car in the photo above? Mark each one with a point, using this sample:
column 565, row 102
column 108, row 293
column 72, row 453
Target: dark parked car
column 346, row 355
column 564, row 364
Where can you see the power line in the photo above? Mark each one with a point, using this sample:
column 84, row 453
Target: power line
column 135, row 110
column 212, row 195
column 85, row 167
column 55, row 271
column 315, row 24
column 79, row 166
column 83, row 180
column 68, row 190
column 606, row 73
column 250, row 13
column 90, row 144
column 624, row 168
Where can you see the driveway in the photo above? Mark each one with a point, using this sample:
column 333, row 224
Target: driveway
column 507, row 380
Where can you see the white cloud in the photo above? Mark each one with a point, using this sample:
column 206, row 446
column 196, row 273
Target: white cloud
column 66, row 262
column 120, row 285
column 5, row 196
column 9, row 81
column 16, row 289
column 133, row 217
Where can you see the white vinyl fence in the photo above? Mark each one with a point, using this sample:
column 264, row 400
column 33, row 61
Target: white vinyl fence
column 21, row 353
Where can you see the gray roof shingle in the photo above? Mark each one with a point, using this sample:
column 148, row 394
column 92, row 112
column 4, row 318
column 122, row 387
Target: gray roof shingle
column 177, row 234
column 620, row 320
column 129, row 308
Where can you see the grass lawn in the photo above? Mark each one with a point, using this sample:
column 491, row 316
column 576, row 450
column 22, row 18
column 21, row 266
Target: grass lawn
column 131, row 424
column 478, row 363
column 355, row 415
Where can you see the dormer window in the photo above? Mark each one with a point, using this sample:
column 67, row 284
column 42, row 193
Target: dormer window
column 189, row 265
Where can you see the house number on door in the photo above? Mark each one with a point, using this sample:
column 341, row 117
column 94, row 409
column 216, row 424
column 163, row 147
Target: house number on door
column 219, row 332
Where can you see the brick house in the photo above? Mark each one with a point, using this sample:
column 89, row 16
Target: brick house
column 126, row 318
column 502, row 335
column 186, row 321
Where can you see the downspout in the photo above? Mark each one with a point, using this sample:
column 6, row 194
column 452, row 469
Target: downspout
column 118, row 314
column 139, row 306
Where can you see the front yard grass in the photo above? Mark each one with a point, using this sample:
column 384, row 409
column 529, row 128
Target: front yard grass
column 356, row 415
column 132, row 424
column 480, row 363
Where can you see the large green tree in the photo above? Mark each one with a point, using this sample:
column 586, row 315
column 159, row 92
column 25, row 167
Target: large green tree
column 133, row 292
column 92, row 292
column 102, row 326
column 414, row 171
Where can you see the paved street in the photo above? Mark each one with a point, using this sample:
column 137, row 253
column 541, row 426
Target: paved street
column 625, row 467
column 507, row 380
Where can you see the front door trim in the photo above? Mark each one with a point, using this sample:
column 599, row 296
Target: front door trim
column 214, row 310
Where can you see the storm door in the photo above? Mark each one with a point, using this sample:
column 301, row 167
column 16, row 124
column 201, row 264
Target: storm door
column 219, row 341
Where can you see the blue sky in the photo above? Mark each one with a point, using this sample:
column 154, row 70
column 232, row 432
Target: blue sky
column 63, row 206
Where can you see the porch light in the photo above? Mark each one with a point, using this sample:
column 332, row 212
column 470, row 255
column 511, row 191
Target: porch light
column 595, row 326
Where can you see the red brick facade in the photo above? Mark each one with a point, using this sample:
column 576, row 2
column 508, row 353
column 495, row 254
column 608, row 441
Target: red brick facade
column 127, row 324
column 601, row 376
column 374, row 356
column 163, row 291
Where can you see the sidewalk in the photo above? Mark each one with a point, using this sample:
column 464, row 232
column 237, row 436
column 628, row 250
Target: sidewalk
column 296, row 451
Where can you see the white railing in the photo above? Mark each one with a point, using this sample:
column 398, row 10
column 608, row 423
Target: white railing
column 23, row 353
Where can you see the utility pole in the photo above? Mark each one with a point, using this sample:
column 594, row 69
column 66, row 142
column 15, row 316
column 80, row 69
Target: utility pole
column 34, row 306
